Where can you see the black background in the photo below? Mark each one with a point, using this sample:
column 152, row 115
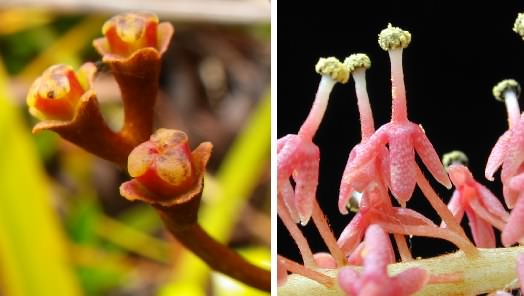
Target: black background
column 455, row 57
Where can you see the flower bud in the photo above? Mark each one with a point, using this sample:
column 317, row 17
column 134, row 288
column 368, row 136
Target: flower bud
column 164, row 167
column 55, row 95
column 126, row 33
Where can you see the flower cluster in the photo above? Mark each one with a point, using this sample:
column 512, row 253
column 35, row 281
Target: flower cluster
column 380, row 177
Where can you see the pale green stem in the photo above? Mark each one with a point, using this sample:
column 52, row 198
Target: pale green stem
column 491, row 270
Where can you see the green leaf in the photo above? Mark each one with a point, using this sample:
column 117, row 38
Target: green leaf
column 33, row 250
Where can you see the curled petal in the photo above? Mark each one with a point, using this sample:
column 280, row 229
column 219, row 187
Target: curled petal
column 456, row 207
column 402, row 166
column 482, row 231
column 288, row 194
column 172, row 174
column 57, row 93
column 346, row 189
column 325, row 260
column 491, row 202
column 306, row 179
column 347, row 279
column 127, row 33
column 430, row 158
column 352, row 235
column 514, row 229
column 410, row 281
column 497, row 155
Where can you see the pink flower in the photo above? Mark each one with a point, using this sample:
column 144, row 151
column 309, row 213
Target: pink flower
column 483, row 209
column 374, row 279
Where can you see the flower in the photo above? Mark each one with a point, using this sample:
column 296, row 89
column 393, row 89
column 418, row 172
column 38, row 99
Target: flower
column 374, row 279
column 127, row 33
column 483, row 209
column 165, row 170
column 56, row 93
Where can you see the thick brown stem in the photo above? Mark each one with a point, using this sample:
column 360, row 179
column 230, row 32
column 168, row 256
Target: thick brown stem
column 89, row 131
column 180, row 220
column 221, row 258
column 137, row 78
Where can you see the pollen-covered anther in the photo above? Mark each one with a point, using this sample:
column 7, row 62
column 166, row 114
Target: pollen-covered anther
column 454, row 157
column 518, row 27
column 332, row 68
column 507, row 85
column 357, row 61
column 393, row 38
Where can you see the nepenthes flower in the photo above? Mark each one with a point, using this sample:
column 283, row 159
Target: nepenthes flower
column 297, row 156
column 402, row 136
column 356, row 180
column 56, row 94
column 482, row 207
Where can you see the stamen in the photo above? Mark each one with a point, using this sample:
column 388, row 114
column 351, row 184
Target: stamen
column 454, row 157
column 508, row 91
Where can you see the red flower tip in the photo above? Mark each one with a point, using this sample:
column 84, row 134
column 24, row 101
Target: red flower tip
column 127, row 33
column 56, row 94
column 164, row 168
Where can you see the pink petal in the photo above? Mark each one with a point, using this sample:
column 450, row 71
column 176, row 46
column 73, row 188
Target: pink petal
column 347, row 279
column 410, row 281
column 281, row 272
column 405, row 216
column 515, row 152
column 483, row 234
column 282, row 142
column 352, row 235
column 402, row 166
column 491, row 202
column 325, row 260
column 370, row 149
column 497, row 155
column 288, row 195
column 456, row 207
column 345, row 185
column 514, row 229
column 377, row 244
column 430, row 158
column 306, row 181
column 357, row 257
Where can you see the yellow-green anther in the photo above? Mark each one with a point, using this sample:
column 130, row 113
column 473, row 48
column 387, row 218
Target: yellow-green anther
column 454, row 157
column 357, row 61
column 393, row 38
column 333, row 68
column 504, row 86
column 518, row 27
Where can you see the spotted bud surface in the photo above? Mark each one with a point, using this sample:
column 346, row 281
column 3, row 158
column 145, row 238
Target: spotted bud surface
column 56, row 93
column 164, row 164
column 126, row 33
